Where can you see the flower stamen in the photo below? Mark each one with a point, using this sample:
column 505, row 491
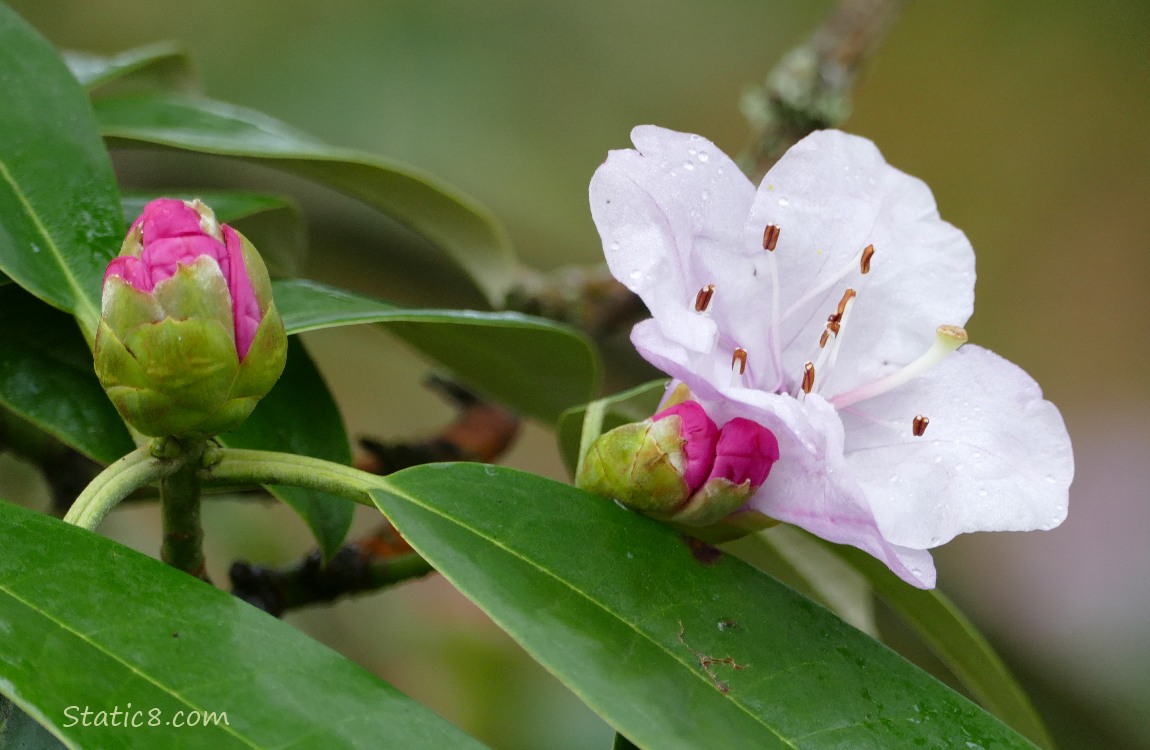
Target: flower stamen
column 867, row 254
column 808, row 377
column 856, row 262
column 703, row 298
column 918, row 426
column 739, row 358
column 771, row 237
column 848, row 295
column 738, row 366
column 770, row 241
column 947, row 340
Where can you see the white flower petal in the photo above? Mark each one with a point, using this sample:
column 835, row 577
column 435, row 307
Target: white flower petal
column 670, row 215
column 831, row 195
column 995, row 455
column 808, row 486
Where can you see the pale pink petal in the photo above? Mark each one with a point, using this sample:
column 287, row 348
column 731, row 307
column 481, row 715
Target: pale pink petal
column 831, row 195
column 995, row 456
column 669, row 215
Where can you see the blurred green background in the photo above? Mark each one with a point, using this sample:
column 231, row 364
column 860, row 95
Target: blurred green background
column 1030, row 121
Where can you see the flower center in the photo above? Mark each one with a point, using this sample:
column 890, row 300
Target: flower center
column 818, row 369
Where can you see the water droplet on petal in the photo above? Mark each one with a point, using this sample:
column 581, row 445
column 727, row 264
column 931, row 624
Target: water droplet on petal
column 703, row 156
column 688, row 166
column 938, row 458
column 784, row 202
column 706, row 195
column 614, row 245
column 1050, row 478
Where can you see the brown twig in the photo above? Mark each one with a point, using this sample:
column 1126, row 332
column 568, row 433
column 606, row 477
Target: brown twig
column 378, row 560
column 481, row 431
column 810, row 87
column 807, row 90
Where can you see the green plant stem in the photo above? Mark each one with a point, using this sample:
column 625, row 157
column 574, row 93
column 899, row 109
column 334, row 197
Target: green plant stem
column 242, row 466
column 183, row 544
column 135, row 470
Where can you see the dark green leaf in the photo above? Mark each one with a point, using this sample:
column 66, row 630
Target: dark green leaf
column 954, row 639
column 300, row 416
column 88, row 623
column 273, row 223
column 633, row 405
column 674, row 648
column 19, row 731
column 801, row 562
column 59, row 210
column 534, row 365
column 622, row 743
column 46, row 377
column 468, row 233
column 155, row 66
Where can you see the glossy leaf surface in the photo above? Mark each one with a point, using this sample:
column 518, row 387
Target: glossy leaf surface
column 954, row 639
column 46, row 377
column 533, row 365
column 59, row 209
column 675, row 647
column 164, row 65
column 300, row 416
column 468, row 233
column 90, row 623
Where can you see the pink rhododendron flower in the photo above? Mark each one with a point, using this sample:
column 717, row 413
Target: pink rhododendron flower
column 826, row 306
column 189, row 338
column 172, row 233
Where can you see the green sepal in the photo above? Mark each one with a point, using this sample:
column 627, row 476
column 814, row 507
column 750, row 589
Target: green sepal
column 715, row 500
column 641, row 465
column 257, row 273
column 125, row 306
column 734, row 526
column 197, row 292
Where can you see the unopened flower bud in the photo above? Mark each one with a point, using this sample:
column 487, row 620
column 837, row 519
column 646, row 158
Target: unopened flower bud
column 189, row 338
column 679, row 466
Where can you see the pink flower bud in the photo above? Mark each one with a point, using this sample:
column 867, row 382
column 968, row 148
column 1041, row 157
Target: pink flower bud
column 745, row 452
column 171, row 233
column 189, row 337
column 700, row 435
